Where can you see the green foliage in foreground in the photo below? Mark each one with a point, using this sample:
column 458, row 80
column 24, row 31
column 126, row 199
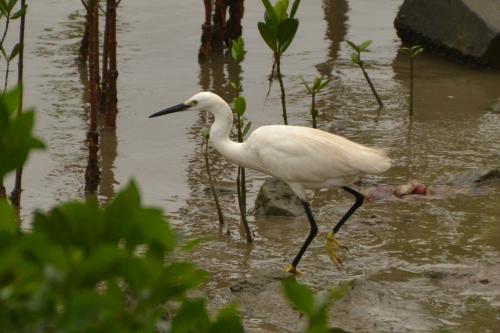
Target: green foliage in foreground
column 314, row 306
column 16, row 140
column 89, row 269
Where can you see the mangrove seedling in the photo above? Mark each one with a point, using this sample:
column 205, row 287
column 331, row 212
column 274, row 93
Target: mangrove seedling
column 317, row 85
column 243, row 129
column 238, row 53
column 356, row 58
column 205, row 134
column 7, row 14
column 411, row 52
column 278, row 31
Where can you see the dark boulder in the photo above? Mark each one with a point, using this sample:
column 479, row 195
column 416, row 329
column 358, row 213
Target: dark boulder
column 467, row 29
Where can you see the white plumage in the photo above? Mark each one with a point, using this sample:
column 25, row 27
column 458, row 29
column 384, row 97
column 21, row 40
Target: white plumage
column 302, row 157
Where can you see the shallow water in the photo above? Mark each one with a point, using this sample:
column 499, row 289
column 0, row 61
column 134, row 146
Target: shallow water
column 453, row 130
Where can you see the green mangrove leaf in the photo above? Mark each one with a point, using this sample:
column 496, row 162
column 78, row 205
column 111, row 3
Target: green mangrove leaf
column 8, row 222
column 19, row 13
column 240, row 105
column 205, row 133
column 353, row 46
column 355, row 58
column 364, row 46
column 191, row 318
column 15, row 51
column 286, row 32
column 271, row 15
column 308, row 89
column 281, row 8
column 295, row 6
column 247, row 128
column 238, row 51
column 300, row 296
column 268, row 36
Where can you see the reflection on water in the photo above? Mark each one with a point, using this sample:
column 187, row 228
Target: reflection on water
column 454, row 130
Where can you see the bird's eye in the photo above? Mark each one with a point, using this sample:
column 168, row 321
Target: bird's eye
column 194, row 103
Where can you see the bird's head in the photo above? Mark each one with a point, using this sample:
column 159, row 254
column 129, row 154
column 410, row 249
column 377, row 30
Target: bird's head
column 201, row 101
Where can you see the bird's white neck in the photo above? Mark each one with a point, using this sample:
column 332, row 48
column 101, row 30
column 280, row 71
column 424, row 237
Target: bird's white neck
column 219, row 134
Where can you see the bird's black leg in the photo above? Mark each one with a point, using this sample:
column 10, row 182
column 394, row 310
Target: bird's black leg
column 357, row 204
column 331, row 242
column 312, row 233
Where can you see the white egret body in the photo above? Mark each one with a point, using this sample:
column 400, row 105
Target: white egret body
column 302, row 157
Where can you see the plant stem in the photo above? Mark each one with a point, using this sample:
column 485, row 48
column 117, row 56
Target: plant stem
column 313, row 110
column 92, row 173
column 7, row 69
column 15, row 195
column 212, row 186
column 111, row 91
column 379, row 101
column 411, row 86
column 282, row 87
column 242, row 190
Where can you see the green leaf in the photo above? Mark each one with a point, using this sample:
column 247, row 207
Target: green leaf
column 306, row 85
column 15, row 51
column 11, row 5
column 270, row 11
column 286, row 32
column 16, row 140
column 191, row 318
column 205, row 133
column 355, row 58
column 353, row 46
column 227, row 321
column 3, row 52
column 300, row 296
column 339, row 292
column 295, row 6
column 365, row 45
column 247, row 128
column 235, row 86
column 316, row 83
column 240, row 105
column 4, row 8
column 238, row 51
column 324, row 84
column 281, row 8
column 268, row 36
column 8, row 222
column 19, row 13
column 417, row 51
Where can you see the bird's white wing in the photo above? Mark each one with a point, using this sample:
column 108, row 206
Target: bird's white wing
column 301, row 154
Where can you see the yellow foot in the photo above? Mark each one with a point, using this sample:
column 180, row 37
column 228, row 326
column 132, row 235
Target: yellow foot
column 332, row 244
column 292, row 269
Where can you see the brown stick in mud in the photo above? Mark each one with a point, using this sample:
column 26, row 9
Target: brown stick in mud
column 205, row 50
column 92, row 173
column 233, row 25
column 112, row 74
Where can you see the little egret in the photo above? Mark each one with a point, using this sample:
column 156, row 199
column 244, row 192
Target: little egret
column 302, row 157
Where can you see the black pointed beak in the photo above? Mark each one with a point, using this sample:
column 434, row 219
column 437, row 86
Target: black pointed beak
column 172, row 109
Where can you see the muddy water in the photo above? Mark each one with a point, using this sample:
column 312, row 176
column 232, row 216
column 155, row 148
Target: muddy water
column 454, row 130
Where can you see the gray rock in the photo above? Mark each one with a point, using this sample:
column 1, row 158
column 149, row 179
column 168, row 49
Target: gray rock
column 376, row 307
column 468, row 29
column 476, row 177
column 275, row 198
